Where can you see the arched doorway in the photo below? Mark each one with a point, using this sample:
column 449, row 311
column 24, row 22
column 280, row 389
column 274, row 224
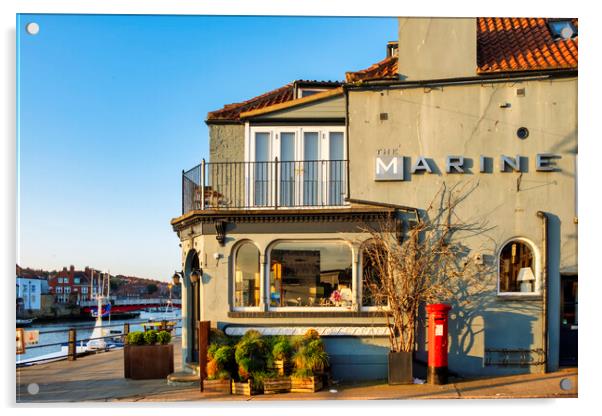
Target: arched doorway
column 193, row 308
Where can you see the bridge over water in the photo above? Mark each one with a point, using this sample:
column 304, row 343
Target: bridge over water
column 120, row 305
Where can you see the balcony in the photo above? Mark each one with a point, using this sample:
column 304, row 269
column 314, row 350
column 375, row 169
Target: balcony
column 264, row 185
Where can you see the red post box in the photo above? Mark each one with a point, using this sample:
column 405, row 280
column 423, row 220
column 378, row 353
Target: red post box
column 437, row 343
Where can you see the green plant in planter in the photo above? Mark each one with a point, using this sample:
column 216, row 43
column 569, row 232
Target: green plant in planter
column 251, row 354
column 135, row 338
column 220, row 362
column 259, row 377
column 282, row 349
column 163, row 337
column 310, row 357
column 150, row 337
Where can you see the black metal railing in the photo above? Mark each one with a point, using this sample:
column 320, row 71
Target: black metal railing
column 72, row 341
column 270, row 184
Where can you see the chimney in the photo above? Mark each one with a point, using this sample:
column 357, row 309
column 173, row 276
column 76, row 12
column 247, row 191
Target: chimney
column 437, row 48
column 392, row 48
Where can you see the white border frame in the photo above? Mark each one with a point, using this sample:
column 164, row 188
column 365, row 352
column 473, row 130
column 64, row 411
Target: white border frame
column 536, row 264
column 274, row 150
column 360, row 278
column 232, row 277
column 354, row 283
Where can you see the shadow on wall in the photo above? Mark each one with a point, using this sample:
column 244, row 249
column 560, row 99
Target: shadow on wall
column 482, row 323
column 355, row 359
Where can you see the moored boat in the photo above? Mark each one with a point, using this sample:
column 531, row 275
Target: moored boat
column 24, row 322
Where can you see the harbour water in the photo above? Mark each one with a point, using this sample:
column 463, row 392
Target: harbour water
column 52, row 333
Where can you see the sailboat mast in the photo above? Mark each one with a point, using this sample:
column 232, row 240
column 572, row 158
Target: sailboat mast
column 109, row 293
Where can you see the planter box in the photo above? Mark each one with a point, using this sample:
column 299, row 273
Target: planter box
column 217, row 386
column 277, row 385
column 243, row 388
column 282, row 367
column 400, row 368
column 144, row 362
column 306, row 384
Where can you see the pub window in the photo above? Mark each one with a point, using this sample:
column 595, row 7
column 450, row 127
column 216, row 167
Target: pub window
column 371, row 283
column 246, row 276
column 517, row 268
column 311, row 274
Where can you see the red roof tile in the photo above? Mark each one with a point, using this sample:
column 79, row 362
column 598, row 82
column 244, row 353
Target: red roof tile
column 231, row 112
column 385, row 69
column 507, row 44
column 503, row 45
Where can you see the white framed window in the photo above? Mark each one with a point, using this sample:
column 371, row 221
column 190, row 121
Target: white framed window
column 310, row 274
column 369, row 280
column 84, row 290
column 247, row 277
column 518, row 270
column 59, row 289
column 67, row 289
column 312, row 166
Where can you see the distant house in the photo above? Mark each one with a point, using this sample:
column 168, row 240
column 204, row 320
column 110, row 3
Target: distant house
column 30, row 291
column 70, row 285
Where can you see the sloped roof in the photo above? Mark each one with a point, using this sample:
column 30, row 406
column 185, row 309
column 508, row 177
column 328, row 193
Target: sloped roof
column 385, row 69
column 231, row 112
column 506, row 44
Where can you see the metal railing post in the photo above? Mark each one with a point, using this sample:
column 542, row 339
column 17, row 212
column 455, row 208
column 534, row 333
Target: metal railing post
column 126, row 331
column 203, row 184
column 276, row 182
column 72, row 351
column 183, row 192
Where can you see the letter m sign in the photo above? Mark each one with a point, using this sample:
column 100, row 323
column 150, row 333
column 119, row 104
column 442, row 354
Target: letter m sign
column 389, row 168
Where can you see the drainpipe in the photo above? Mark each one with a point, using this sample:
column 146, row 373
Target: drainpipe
column 544, row 307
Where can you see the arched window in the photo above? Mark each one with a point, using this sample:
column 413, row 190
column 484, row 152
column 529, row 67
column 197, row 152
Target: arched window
column 246, row 276
column 517, row 268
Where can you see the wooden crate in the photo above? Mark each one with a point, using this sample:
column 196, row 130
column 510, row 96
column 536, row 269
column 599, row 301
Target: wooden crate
column 306, row 384
column 277, row 385
column 282, row 367
column 243, row 388
column 217, row 386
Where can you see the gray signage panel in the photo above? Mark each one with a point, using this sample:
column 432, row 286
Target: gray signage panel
column 389, row 168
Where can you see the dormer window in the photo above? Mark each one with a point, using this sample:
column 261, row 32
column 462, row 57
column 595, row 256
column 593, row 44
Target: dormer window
column 306, row 92
column 562, row 29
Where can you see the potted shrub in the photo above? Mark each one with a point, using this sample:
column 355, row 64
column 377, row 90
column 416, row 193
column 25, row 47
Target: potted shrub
column 220, row 360
column 277, row 380
column 310, row 360
column 148, row 355
column 282, row 352
column 425, row 263
column 251, row 353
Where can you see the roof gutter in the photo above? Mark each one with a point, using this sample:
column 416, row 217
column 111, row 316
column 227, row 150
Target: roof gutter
column 493, row 78
column 384, row 205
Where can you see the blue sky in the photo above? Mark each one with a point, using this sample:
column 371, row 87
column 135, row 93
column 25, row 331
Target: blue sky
column 112, row 108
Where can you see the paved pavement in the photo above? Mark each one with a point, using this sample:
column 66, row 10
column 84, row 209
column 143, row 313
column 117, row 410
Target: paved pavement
column 99, row 377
